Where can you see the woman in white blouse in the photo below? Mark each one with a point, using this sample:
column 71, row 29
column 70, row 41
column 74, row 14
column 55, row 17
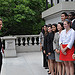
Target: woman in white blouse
column 66, row 41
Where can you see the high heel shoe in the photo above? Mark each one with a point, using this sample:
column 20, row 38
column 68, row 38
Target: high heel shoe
column 49, row 72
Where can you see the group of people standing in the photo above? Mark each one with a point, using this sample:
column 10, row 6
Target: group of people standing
column 57, row 43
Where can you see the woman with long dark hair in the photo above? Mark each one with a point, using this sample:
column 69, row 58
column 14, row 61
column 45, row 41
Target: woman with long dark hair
column 51, row 55
column 49, row 46
column 42, row 45
column 57, row 48
column 50, row 51
column 45, row 46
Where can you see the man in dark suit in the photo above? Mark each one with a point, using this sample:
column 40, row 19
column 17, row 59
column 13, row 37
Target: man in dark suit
column 71, row 16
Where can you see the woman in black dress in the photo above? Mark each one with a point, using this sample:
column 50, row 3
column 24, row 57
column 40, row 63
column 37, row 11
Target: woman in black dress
column 54, row 30
column 45, row 47
column 50, row 50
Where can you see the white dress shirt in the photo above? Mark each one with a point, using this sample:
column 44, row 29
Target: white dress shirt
column 67, row 38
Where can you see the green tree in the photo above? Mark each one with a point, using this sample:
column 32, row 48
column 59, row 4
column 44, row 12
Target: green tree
column 21, row 16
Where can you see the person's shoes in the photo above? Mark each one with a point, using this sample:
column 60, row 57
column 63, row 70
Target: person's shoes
column 49, row 72
column 46, row 68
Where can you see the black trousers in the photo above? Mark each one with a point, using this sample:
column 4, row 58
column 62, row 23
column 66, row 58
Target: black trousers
column 45, row 60
column 0, row 61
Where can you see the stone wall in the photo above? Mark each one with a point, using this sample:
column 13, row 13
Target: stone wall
column 53, row 14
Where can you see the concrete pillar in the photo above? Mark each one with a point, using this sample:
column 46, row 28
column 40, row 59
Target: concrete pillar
column 10, row 48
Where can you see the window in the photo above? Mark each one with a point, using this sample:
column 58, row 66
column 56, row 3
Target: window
column 51, row 3
column 57, row 1
column 66, row 0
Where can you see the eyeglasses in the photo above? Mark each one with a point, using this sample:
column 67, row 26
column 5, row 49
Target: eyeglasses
column 53, row 27
column 69, row 15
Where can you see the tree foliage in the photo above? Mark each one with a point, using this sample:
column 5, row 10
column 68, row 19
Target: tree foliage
column 21, row 16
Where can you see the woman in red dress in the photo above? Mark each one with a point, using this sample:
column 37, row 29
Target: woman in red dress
column 66, row 45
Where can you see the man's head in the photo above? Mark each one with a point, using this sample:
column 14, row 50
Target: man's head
column 71, row 16
column 0, row 23
column 64, row 16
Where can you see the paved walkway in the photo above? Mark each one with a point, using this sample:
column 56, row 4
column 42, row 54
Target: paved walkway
column 24, row 64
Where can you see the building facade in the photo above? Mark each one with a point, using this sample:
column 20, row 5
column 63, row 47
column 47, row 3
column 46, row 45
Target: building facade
column 53, row 14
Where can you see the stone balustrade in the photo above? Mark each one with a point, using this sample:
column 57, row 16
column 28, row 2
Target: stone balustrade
column 27, row 40
column 25, row 43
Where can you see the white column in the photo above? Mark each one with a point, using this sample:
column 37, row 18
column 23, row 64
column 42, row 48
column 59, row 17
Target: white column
column 55, row 2
column 35, row 41
column 21, row 42
column 39, row 40
column 30, row 41
column 17, row 42
column 49, row 2
column 25, row 40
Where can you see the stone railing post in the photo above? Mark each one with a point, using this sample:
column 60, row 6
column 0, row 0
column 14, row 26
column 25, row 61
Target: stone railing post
column 30, row 41
column 17, row 42
column 26, row 40
column 10, row 49
column 35, row 40
column 21, row 42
